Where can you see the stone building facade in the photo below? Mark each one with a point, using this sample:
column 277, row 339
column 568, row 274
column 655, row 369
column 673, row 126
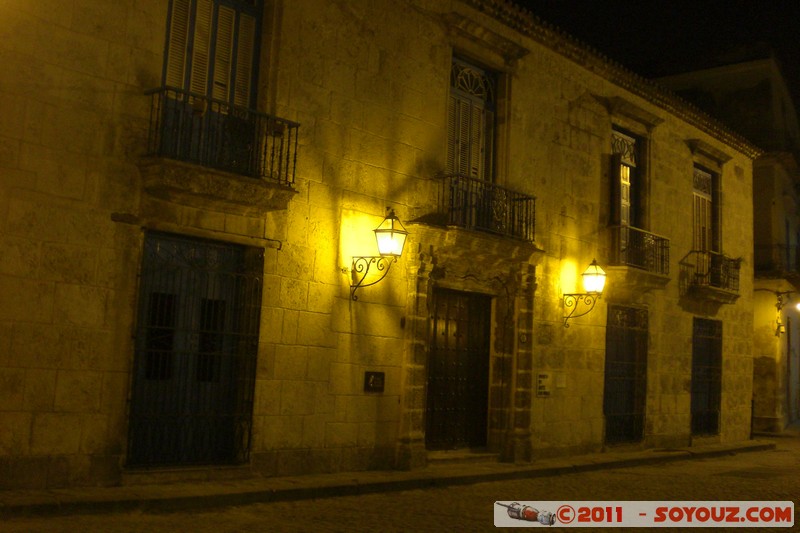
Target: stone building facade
column 184, row 186
column 752, row 95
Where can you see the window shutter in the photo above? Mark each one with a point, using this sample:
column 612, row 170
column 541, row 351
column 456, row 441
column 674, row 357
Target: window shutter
column 470, row 122
column 615, row 200
column 223, row 54
column 202, row 47
column 476, row 142
column 487, row 144
column 463, row 138
column 716, row 216
column 452, row 136
column 176, row 47
column 703, row 239
column 245, row 52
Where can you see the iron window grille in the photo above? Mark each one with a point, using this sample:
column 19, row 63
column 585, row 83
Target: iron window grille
column 625, row 389
column 706, row 376
column 195, row 352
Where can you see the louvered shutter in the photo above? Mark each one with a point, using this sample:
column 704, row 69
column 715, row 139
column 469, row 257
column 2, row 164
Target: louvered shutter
column 716, row 216
column 476, row 140
column 212, row 49
column 470, row 122
column 615, row 179
column 487, row 145
column 245, row 53
column 223, row 54
column 466, row 138
column 176, row 47
column 625, row 196
column 452, row 136
column 702, row 222
column 201, row 51
column 462, row 163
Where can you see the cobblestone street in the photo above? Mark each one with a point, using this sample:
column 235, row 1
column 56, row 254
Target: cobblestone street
column 772, row 475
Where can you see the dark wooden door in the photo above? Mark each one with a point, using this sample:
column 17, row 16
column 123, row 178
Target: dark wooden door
column 706, row 376
column 458, row 371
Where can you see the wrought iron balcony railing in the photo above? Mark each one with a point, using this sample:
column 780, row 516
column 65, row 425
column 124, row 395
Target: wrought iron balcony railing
column 197, row 129
column 776, row 259
column 641, row 249
column 713, row 269
column 477, row 204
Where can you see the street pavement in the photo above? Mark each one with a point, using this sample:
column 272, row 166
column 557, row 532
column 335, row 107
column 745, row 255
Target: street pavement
column 764, row 473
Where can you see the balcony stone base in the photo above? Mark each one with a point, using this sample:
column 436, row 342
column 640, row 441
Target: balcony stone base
column 205, row 188
column 625, row 282
column 713, row 294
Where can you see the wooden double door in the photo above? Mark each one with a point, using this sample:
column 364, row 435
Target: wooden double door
column 458, row 371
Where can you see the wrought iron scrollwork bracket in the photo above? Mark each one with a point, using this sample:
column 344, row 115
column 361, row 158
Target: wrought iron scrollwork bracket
column 571, row 302
column 362, row 266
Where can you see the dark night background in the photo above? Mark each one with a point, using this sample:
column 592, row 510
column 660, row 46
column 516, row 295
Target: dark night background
column 659, row 37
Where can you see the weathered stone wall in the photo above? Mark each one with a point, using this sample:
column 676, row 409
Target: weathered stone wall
column 74, row 118
column 775, row 389
column 368, row 82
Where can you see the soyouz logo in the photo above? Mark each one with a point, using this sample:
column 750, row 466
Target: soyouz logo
column 723, row 514
column 644, row 514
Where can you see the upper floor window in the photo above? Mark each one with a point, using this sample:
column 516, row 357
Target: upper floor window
column 705, row 211
column 626, row 182
column 471, row 121
column 212, row 49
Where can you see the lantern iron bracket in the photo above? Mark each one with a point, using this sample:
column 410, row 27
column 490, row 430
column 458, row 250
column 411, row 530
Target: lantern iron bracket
column 572, row 300
column 361, row 267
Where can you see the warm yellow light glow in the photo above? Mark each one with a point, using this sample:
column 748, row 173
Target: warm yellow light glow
column 390, row 243
column 569, row 276
column 356, row 237
column 594, row 278
column 391, row 236
column 797, row 306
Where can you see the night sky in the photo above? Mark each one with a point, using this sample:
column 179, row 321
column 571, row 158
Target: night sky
column 658, row 37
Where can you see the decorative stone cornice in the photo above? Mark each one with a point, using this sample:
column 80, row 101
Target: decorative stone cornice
column 470, row 29
column 625, row 108
column 698, row 146
column 526, row 23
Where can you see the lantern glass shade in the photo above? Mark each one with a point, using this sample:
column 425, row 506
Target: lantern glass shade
column 391, row 236
column 594, row 278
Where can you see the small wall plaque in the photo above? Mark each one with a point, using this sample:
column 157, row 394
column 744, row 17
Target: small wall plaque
column 543, row 385
column 374, row 381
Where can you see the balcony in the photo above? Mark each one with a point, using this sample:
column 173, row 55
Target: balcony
column 712, row 275
column 777, row 261
column 641, row 249
column 196, row 129
column 476, row 204
column 639, row 261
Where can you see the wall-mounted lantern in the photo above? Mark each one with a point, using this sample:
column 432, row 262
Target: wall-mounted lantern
column 391, row 238
column 783, row 298
column 594, row 281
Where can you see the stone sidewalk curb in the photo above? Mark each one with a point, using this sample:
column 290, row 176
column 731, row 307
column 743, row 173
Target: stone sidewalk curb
column 209, row 494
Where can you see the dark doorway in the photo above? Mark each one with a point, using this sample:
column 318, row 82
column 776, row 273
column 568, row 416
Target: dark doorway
column 706, row 376
column 458, row 371
column 196, row 349
column 625, row 387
